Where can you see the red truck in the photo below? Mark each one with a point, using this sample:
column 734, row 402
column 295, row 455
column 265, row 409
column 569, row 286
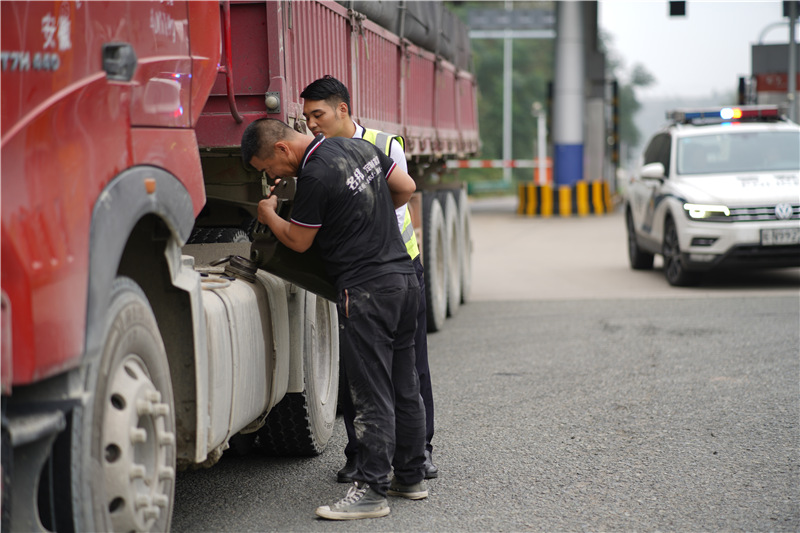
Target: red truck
column 130, row 347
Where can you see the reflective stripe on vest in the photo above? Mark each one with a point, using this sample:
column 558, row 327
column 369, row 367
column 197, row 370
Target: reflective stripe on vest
column 384, row 141
column 409, row 237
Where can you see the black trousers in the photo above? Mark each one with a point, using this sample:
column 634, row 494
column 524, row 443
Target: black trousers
column 421, row 350
column 423, row 372
column 377, row 326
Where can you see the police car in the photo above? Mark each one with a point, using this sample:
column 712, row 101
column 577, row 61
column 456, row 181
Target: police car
column 719, row 188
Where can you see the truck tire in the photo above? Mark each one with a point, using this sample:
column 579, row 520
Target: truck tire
column 123, row 437
column 211, row 235
column 241, row 444
column 6, row 461
column 453, row 247
column 302, row 423
column 434, row 259
column 465, row 257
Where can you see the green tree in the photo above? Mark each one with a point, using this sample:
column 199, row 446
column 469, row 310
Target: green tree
column 533, row 69
column 532, row 61
column 629, row 105
column 628, row 83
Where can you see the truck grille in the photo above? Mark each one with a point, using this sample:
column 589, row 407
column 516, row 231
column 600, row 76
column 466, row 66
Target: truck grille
column 754, row 214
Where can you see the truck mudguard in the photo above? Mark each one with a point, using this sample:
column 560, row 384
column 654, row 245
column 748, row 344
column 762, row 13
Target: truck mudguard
column 135, row 193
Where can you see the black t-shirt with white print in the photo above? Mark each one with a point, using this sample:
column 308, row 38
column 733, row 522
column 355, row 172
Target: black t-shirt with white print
column 342, row 190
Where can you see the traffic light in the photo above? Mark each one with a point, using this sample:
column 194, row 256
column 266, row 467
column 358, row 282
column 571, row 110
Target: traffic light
column 677, row 9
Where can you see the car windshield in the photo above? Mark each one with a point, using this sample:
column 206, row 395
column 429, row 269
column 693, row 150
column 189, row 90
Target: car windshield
column 752, row 151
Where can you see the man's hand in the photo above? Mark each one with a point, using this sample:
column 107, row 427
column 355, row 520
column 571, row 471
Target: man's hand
column 265, row 205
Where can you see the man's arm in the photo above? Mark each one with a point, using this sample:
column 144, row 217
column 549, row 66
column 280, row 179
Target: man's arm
column 398, row 155
column 298, row 238
column 401, row 185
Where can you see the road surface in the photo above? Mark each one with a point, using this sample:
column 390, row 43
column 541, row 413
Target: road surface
column 573, row 394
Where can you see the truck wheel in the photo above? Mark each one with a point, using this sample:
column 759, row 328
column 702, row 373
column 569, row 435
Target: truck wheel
column 302, row 423
column 241, row 444
column 465, row 255
column 6, row 462
column 123, row 438
column 674, row 269
column 211, row 235
column 639, row 259
column 434, row 259
column 453, row 247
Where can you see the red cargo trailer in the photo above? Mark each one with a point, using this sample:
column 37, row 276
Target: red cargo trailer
column 278, row 48
column 126, row 351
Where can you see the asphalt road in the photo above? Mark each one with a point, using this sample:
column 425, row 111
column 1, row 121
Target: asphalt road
column 573, row 394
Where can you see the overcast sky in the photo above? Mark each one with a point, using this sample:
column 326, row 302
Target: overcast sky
column 705, row 51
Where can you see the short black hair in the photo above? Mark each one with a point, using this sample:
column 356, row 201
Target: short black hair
column 329, row 89
column 260, row 136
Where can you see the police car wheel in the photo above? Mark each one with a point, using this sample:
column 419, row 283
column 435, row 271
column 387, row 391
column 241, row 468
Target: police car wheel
column 674, row 269
column 639, row 259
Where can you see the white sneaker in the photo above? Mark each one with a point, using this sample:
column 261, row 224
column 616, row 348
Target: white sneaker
column 361, row 502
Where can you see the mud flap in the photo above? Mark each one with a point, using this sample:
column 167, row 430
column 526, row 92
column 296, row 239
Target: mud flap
column 303, row 269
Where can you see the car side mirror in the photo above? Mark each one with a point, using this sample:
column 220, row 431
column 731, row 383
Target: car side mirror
column 653, row 171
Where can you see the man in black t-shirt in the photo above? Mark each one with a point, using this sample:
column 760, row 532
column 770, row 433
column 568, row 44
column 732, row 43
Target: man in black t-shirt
column 347, row 191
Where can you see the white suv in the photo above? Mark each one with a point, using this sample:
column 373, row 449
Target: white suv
column 718, row 188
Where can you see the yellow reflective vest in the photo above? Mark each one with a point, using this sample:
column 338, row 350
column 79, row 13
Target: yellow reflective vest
column 384, row 141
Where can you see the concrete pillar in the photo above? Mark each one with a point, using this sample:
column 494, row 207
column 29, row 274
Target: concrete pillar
column 792, row 71
column 568, row 94
column 508, row 85
column 595, row 144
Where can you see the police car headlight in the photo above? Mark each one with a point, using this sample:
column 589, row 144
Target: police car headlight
column 703, row 211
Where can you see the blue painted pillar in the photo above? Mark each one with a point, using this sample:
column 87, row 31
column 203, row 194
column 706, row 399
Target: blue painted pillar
column 568, row 94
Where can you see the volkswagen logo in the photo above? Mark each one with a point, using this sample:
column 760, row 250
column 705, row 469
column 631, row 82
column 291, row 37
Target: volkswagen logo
column 783, row 211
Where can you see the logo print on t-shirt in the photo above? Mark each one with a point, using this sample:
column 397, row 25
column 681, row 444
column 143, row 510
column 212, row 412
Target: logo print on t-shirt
column 362, row 177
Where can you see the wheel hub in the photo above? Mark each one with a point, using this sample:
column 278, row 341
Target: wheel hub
column 137, row 447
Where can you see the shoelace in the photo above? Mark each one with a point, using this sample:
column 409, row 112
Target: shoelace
column 353, row 495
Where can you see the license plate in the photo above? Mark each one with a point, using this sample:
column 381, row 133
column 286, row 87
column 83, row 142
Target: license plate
column 780, row 236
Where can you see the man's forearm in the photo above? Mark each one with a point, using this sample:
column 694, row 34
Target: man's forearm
column 401, row 187
column 290, row 235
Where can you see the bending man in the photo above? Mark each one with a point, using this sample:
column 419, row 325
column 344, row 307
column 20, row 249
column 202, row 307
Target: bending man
column 346, row 193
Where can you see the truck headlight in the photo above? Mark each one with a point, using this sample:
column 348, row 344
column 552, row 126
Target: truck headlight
column 704, row 211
